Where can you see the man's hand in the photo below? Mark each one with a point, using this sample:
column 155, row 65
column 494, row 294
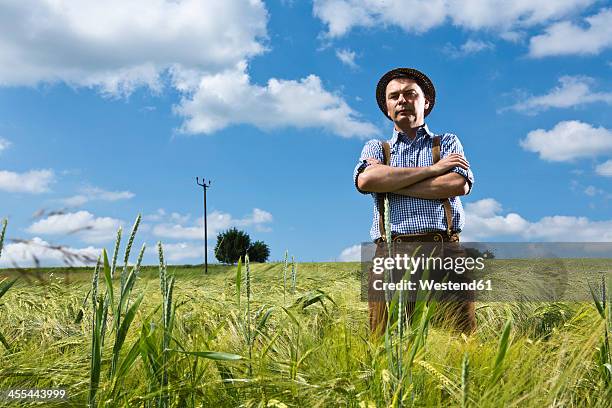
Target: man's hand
column 372, row 161
column 449, row 162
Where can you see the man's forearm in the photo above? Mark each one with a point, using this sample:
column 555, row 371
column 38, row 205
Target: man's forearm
column 382, row 179
column 444, row 186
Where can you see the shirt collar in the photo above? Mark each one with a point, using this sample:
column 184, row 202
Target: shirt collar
column 421, row 131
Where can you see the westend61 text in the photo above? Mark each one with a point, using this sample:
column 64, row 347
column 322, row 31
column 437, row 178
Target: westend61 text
column 405, row 262
column 430, row 285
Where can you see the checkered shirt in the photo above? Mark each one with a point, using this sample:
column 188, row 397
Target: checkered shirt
column 411, row 215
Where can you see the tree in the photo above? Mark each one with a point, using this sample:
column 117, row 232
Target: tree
column 259, row 252
column 231, row 245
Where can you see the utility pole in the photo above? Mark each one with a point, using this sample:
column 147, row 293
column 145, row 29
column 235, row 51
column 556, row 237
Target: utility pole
column 204, row 188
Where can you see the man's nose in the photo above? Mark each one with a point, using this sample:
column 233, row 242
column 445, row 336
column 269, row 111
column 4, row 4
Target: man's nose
column 401, row 98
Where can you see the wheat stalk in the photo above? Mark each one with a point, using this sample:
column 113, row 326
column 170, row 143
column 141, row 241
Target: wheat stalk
column 285, row 276
column 446, row 383
column 2, row 233
column 465, row 375
column 293, row 274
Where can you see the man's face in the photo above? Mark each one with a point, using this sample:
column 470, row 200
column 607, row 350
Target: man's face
column 406, row 103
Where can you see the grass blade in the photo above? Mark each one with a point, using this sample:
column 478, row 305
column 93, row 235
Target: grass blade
column 122, row 332
column 211, row 355
column 4, row 342
column 5, row 285
column 504, row 342
column 465, row 375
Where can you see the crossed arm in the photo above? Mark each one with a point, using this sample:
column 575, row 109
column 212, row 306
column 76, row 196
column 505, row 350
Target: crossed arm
column 431, row 182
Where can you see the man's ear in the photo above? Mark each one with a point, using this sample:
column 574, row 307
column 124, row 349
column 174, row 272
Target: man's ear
column 426, row 103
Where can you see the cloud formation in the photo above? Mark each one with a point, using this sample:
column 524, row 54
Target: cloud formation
column 491, row 223
column 182, row 251
column 569, row 140
column 567, row 38
column 32, row 182
column 118, row 46
column 467, row 48
column 198, row 47
column 217, row 221
column 572, row 91
column 281, row 103
column 351, row 254
column 26, row 254
column 95, row 194
column 604, row 169
column 415, row 16
column 4, row 144
column 347, row 57
column 84, row 224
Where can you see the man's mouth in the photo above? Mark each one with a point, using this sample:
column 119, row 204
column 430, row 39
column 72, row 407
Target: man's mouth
column 404, row 112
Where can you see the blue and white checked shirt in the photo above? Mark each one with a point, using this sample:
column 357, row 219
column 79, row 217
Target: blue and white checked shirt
column 411, row 215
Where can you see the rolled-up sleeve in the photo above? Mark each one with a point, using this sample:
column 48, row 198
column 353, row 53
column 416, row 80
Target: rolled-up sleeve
column 450, row 144
column 371, row 150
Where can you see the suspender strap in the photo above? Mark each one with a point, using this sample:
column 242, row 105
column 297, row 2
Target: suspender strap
column 381, row 196
column 448, row 212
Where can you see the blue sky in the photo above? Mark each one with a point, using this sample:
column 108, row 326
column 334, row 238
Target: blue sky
column 107, row 111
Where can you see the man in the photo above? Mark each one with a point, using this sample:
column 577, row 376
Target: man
column 423, row 179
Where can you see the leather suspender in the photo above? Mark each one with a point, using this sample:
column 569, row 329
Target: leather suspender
column 381, row 196
column 448, row 212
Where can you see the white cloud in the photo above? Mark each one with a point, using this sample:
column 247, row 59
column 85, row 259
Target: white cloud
column 33, row 181
column 572, row 91
column 177, row 231
column 217, row 221
column 574, row 229
column 503, row 15
column 415, row 16
column 351, row 254
column 119, row 45
column 486, row 207
column 604, row 169
column 197, row 47
column 481, row 226
column 4, row 144
column 566, row 38
column 592, row 191
column 82, row 223
column 281, row 103
column 24, row 254
column 467, row 48
column 182, row 251
column 95, row 194
column 569, row 140
column 157, row 216
column 482, row 220
column 341, row 16
column 347, row 57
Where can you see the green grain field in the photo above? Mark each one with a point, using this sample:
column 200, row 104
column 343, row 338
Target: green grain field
column 283, row 335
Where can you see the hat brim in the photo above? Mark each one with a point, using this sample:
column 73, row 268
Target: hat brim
column 420, row 78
